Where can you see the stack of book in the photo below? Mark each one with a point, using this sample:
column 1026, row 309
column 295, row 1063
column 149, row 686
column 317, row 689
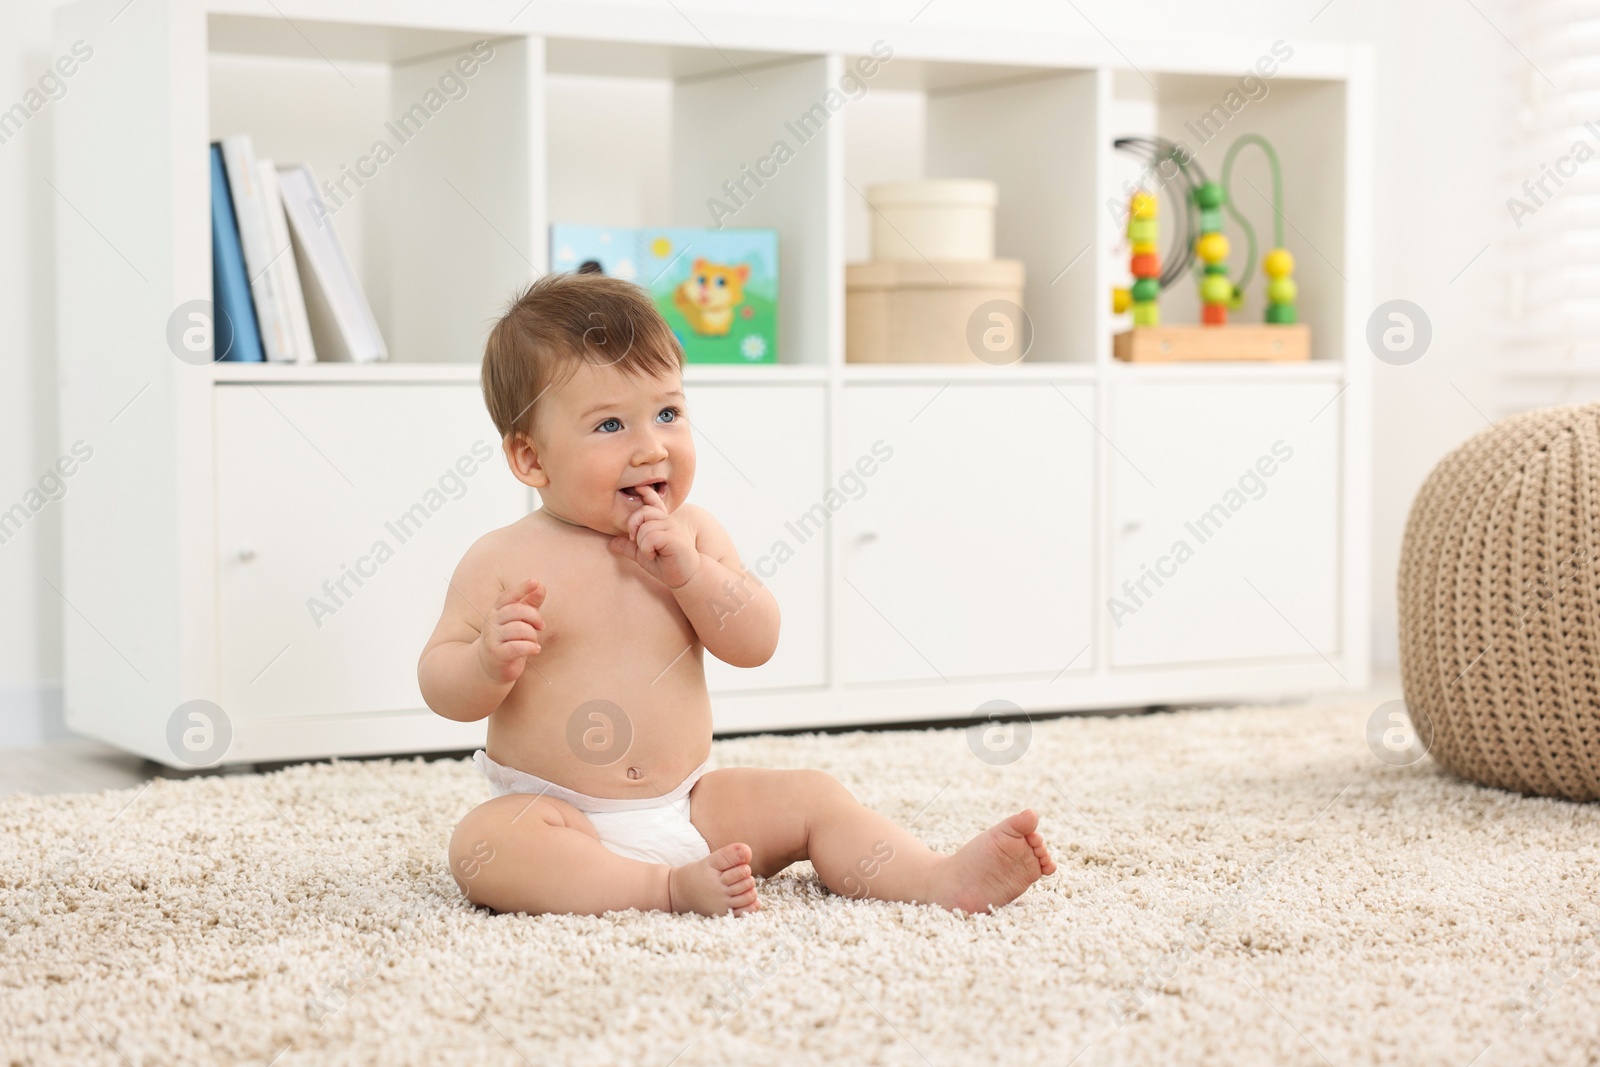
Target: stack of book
column 282, row 289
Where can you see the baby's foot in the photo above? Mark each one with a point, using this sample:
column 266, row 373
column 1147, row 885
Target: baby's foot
column 716, row 885
column 994, row 867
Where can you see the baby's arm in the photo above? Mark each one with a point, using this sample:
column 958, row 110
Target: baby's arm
column 472, row 660
column 735, row 615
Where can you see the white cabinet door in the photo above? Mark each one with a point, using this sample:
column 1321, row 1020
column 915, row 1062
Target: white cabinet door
column 759, row 453
column 1224, row 521
column 342, row 511
column 968, row 551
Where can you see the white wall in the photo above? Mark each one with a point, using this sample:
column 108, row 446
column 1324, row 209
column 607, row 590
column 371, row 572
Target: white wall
column 1446, row 89
column 30, row 612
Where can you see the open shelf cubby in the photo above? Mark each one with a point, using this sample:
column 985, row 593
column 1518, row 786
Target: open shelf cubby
column 1304, row 119
column 669, row 135
column 422, row 145
column 1034, row 132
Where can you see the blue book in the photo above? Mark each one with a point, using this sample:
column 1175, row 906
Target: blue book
column 236, row 334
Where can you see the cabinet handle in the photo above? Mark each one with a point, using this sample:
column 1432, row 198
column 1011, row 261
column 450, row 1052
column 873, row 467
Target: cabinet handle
column 247, row 554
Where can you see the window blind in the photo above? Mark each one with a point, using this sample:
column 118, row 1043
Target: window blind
column 1550, row 339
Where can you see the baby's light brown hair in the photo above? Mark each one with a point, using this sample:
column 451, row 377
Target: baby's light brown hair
column 560, row 321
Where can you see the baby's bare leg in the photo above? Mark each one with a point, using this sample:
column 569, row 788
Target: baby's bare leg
column 540, row 854
column 789, row 815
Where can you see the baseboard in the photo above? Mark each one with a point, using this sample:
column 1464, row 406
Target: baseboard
column 31, row 715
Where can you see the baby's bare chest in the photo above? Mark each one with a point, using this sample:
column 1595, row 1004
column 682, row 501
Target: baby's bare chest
column 612, row 634
column 594, row 608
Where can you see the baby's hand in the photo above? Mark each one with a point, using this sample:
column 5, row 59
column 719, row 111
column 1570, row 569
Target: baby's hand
column 659, row 541
column 510, row 634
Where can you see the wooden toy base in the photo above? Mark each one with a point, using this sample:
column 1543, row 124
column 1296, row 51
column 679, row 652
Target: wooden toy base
column 1184, row 344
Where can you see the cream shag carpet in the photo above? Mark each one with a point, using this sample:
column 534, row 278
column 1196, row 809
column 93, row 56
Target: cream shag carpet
column 1238, row 886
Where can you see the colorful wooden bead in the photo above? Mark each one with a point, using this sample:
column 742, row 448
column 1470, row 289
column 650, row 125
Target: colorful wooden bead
column 1281, row 314
column 1211, row 247
column 1214, row 314
column 1208, row 195
column 1216, row 268
column 1282, row 290
column 1278, row 263
column 1210, row 219
column 1145, row 265
column 1216, row 289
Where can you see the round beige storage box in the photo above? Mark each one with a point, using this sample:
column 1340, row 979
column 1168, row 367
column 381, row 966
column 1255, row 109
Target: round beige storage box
column 944, row 218
column 923, row 312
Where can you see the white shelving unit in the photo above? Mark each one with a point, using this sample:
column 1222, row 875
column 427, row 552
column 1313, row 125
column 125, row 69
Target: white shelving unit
column 976, row 563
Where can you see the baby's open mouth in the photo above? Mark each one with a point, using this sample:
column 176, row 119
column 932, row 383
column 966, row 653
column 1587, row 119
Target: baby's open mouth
column 632, row 491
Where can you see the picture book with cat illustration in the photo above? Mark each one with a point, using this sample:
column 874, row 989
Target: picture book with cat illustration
column 717, row 289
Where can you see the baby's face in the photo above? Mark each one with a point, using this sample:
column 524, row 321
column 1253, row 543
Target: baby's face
column 601, row 434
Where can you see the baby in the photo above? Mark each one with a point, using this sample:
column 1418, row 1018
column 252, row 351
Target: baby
column 579, row 631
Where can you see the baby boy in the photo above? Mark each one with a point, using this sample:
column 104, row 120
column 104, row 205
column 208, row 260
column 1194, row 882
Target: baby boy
column 580, row 629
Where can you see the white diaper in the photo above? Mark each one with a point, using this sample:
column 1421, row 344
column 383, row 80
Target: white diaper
column 652, row 829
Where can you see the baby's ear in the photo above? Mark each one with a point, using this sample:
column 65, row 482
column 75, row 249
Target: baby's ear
column 523, row 458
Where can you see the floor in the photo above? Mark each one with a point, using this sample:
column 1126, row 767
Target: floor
column 1248, row 886
column 82, row 765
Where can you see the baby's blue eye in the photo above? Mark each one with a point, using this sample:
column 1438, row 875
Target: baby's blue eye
column 674, row 412
column 608, row 422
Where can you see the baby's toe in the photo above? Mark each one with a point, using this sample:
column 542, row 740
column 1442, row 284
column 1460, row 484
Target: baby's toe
column 729, row 856
column 736, row 874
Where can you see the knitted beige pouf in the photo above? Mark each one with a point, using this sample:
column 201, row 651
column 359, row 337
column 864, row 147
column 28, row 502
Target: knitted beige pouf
column 1500, row 605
